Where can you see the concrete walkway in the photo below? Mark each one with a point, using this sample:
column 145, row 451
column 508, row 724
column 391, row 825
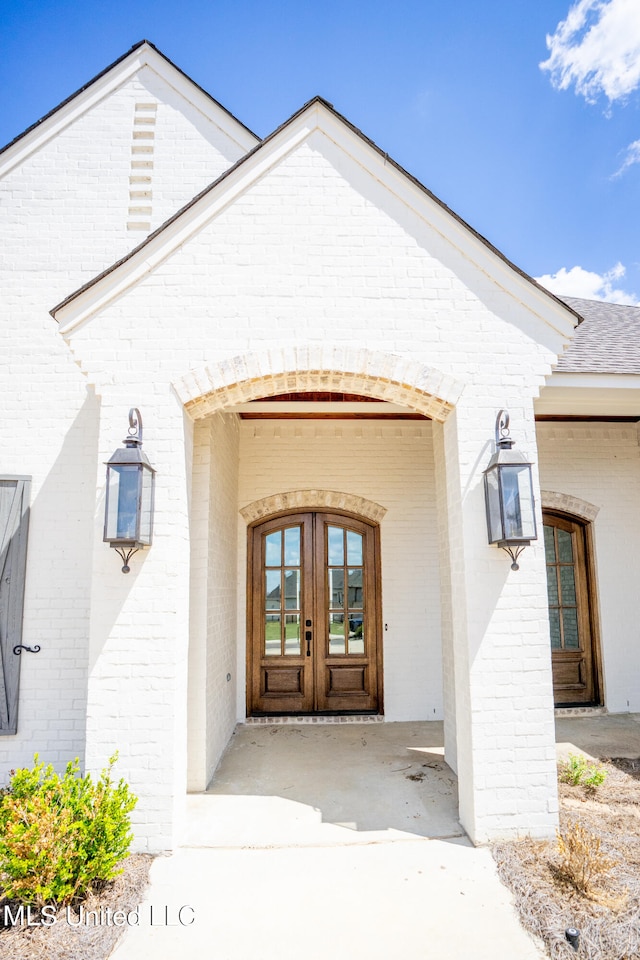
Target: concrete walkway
column 340, row 841
column 328, row 841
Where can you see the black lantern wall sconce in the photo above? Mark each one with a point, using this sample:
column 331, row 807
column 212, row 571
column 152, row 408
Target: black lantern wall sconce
column 128, row 516
column 508, row 488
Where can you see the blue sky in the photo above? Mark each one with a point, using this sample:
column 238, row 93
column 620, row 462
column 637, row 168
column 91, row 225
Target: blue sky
column 544, row 162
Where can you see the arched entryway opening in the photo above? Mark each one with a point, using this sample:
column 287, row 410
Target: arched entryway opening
column 371, row 451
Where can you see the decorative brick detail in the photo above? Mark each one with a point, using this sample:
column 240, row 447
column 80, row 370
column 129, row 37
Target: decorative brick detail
column 140, row 192
column 331, row 369
column 569, row 504
column 295, row 499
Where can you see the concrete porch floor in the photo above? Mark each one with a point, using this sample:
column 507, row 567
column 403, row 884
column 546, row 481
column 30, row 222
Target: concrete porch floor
column 327, row 783
column 606, row 735
column 342, row 840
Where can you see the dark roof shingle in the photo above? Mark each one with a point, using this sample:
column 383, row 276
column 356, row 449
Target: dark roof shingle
column 607, row 340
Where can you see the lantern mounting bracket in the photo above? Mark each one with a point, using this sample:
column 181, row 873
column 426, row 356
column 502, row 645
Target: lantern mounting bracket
column 514, row 552
column 126, row 553
column 135, row 428
column 503, row 434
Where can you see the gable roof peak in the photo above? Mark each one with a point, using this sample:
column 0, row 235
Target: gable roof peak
column 83, row 302
column 142, row 53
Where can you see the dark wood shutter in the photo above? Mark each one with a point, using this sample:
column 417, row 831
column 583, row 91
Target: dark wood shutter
column 14, row 524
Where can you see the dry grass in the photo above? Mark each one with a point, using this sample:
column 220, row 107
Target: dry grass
column 64, row 941
column 607, row 910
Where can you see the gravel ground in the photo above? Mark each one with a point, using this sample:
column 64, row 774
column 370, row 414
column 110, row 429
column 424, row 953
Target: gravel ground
column 608, row 920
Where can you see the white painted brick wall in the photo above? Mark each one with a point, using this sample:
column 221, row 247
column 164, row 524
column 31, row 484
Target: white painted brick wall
column 139, row 627
column 391, row 464
column 600, row 463
column 64, row 219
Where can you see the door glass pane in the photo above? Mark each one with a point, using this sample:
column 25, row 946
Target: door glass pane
column 336, row 546
column 292, row 634
column 272, row 645
column 554, row 624
column 337, row 642
column 565, row 549
column 336, row 588
column 292, row 589
column 273, row 549
column 355, row 588
column 356, row 633
column 570, row 623
column 354, row 548
column 568, row 585
column 549, row 544
column 552, row 585
column 272, row 589
column 292, row 547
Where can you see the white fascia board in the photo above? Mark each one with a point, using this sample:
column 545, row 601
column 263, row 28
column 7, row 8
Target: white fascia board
column 594, row 381
column 447, row 224
column 232, row 128
column 590, row 395
column 97, row 90
column 63, row 116
column 190, row 221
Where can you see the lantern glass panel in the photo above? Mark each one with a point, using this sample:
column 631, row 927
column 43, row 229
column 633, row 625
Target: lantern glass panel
column 517, row 502
column 494, row 518
column 122, row 504
column 146, row 507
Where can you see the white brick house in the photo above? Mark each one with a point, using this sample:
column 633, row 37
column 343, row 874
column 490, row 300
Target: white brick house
column 326, row 550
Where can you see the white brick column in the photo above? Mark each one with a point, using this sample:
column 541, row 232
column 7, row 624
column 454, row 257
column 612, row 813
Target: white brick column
column 497, row 664
column 137, row 690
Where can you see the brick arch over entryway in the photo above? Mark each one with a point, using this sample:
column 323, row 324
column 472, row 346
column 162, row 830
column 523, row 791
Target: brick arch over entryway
column 313, row 499
column 300, row 369
column 567, row 503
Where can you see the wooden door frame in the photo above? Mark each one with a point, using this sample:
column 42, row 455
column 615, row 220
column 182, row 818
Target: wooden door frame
column 377, row 573
column 591, row 598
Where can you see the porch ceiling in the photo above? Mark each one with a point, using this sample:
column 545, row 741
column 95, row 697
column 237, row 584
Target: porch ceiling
column 310, row 407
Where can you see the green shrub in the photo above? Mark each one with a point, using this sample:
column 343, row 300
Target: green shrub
column 576, row 770
column 59, row 835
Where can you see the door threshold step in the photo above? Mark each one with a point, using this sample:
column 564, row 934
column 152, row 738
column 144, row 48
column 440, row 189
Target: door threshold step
column 348, row 718
column 580, row 711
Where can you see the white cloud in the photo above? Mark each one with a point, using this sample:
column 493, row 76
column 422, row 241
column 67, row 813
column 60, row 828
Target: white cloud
column 587, row 285
column 597, row 49
column 631, row 156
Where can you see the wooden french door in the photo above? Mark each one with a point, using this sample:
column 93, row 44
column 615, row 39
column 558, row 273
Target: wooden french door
column 571, row 597
column 314, row 620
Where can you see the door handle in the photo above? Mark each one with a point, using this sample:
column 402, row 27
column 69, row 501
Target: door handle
column 307, row 637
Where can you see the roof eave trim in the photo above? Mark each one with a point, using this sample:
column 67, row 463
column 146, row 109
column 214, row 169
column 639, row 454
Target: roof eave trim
column 468, row 241
column 109, row 79
column 580, row 379
column 559, row 315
